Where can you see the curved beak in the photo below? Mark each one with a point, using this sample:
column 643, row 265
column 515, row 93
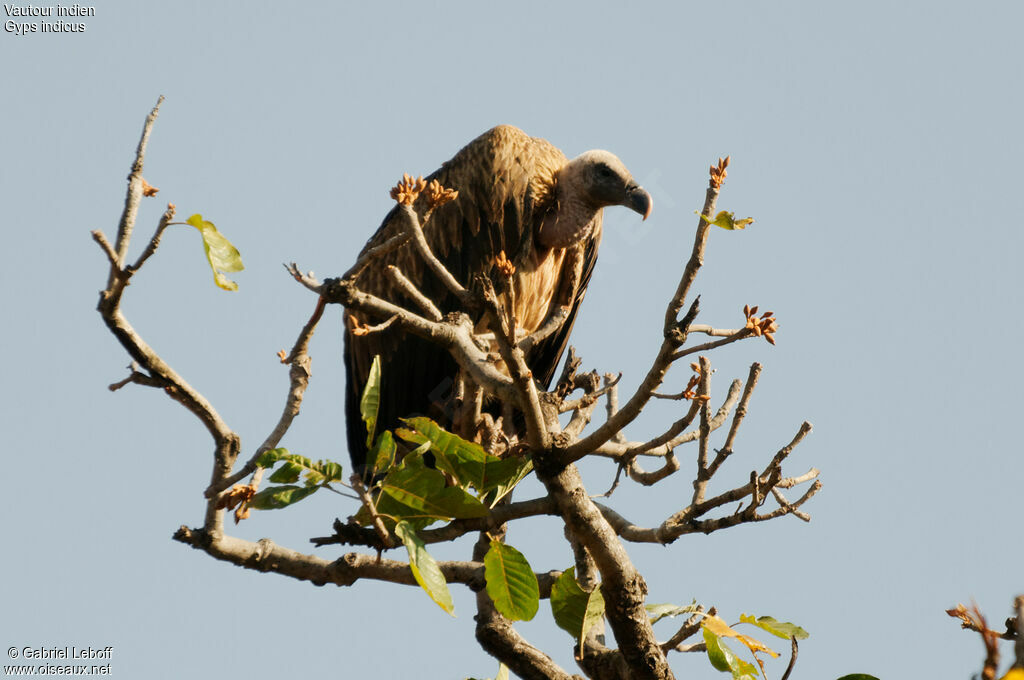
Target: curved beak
column 638, row 200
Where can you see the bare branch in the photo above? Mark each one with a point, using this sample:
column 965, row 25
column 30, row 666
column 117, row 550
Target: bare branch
column 612, row 406
column 789, row 482
column 590, row 397
column 703, row 391
column 154, row 242
column 784, row 452
column 108, row 249
column 415, row 232
column 629, row 412
column 675, row 334
column 358, row 330
column 554, row 322
column 665, row 443
column 687, row 520
column 134, row 194
column 741, row 412
column 138, row 378
column 454, row 333
column 615, row 482
column 694, row 264
column 346, row 535
column 391, row 245
column 306, row 279
column 687, row 630
column 669, row 467
column 704, row 329
column 383, row 534
column 707, row 346
column 623, row 588
column 265, row 555
column 226, row 442
column 793, row 508
column 407, row 286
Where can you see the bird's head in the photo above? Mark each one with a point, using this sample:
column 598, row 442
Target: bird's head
column 603, row 180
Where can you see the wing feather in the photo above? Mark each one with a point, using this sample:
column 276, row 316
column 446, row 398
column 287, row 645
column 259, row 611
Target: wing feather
column 505, row 181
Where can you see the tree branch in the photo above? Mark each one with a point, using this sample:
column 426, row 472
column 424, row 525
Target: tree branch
column 134, row 195
column 264, row 555
column 623, row 588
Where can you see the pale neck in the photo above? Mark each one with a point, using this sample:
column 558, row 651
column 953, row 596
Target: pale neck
column 568, row 224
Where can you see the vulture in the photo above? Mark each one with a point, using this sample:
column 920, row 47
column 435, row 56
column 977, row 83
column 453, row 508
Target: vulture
column 517, row 195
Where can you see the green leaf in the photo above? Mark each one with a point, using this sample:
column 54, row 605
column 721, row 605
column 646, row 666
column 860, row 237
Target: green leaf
column 723, row 658
column 505, row 475
column 287, row 474
column 320, row 472
column 270, row 458
column 511, row 582
column 575, row 610
column 276, row 497
column 726, row 220
column 466, row 461
column 222, row 256
column 451, row 452
column 370, row 401
column 383, row 453
column 779, row 628
column 657, row 612
column 425, row 569
column 423, row 490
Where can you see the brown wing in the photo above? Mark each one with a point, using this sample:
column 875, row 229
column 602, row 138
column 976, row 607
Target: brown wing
column 505, row 183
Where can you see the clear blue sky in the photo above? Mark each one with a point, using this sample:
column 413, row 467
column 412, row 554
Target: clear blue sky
column 878, row 146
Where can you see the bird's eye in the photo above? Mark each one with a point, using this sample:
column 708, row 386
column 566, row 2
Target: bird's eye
column 603, row 171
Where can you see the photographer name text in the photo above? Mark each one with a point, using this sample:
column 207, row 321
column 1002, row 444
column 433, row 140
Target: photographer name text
column 68, row 652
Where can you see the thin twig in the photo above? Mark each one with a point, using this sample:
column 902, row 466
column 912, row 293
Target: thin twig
column 154, row 242
column 704, row 329
column 415, row 231
column 356, row 481
column 612, row 404
column 555, row 321
column 794, row 649
column 737, row 419
column 392, row 244
column 703, row 390
column 669, row 467
column 587, row 399
column 410, row 289
column 686, row 630
column 108, row 249
column 134, row 193
column 708, row 346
